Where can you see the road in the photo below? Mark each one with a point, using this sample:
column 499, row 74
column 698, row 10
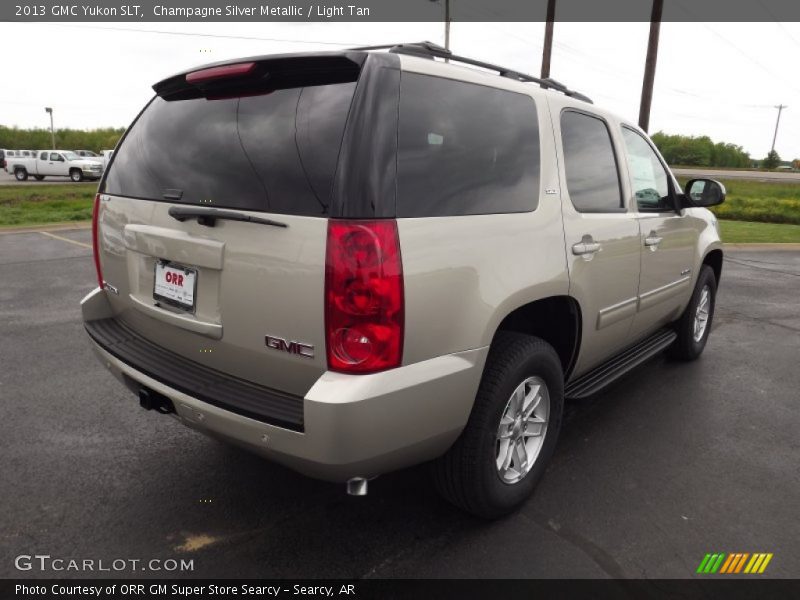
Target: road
column 771, row 176
column 675, row 461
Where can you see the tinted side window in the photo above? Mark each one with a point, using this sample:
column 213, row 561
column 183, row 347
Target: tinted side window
column 43, row 156
column 590, row 163
column 648, row 177
column 465, row 149
column 274, row 152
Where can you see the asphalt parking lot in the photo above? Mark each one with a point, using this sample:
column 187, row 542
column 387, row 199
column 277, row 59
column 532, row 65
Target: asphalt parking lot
column 675, row 461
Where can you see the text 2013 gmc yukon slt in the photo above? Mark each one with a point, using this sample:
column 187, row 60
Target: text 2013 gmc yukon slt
column 364, row 260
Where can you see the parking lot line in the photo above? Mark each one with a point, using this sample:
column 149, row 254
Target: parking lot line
column 63, row 239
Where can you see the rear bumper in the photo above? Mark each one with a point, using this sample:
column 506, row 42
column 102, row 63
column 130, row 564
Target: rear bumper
column 352, row 425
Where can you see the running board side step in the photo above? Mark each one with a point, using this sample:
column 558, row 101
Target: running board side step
column 592, row 382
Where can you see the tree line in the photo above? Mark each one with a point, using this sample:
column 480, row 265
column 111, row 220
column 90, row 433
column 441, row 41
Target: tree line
column 700, row 151
column 66, row 139
column 680, row 150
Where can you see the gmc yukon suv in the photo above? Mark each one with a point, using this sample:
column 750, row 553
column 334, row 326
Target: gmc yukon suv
column 364, row 260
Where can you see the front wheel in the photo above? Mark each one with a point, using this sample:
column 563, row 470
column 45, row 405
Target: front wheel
column 511, row 433
column 695, row 324
column 76, row 175
column 21, row 174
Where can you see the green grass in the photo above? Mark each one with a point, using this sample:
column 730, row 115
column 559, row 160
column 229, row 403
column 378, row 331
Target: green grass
column 39, row 204
column 742, row 232
column 767, row 202
column 22, row 205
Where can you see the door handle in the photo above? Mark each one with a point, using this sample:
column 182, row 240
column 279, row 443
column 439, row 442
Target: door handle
column 585, row 247
column 652, row 240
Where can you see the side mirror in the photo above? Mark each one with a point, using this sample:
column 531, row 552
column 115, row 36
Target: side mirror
column 703, row 192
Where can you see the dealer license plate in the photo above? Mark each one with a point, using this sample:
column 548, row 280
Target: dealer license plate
column 175, row 285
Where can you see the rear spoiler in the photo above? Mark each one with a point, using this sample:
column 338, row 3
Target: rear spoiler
column 263, row 74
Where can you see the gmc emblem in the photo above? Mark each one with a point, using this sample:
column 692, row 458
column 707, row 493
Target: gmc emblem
column 281, row 344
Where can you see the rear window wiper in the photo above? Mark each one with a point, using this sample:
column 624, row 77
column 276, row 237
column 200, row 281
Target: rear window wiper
column 209, row 216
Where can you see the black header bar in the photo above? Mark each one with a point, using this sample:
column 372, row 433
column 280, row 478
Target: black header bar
column 708, row 588
column 141, row 11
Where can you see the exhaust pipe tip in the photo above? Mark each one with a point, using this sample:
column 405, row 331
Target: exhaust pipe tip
column 357, row 486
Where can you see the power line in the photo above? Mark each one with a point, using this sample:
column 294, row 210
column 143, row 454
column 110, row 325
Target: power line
column 480, row 12
column 213, row 35
column 778, row 23
column 583, row 58
column 767, row 70
column 750, row 58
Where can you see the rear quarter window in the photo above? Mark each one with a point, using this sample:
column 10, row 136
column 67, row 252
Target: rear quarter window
column 590, row 163
column 274, row 152
column 465, row 149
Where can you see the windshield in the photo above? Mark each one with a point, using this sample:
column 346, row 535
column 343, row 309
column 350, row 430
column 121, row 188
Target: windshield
column 71, row 156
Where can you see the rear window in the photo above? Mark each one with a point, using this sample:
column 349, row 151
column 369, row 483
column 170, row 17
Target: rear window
column 465, row 149
column 274, row 152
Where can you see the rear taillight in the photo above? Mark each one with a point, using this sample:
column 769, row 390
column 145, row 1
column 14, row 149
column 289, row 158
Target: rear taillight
column 363, row 296
column 223, row 72
column 95, row 247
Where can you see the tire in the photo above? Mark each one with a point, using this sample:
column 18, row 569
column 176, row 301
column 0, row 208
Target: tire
column 39, row 177
column 689, row 346
column 76, row 175
column 469, row 474
column 21, row 174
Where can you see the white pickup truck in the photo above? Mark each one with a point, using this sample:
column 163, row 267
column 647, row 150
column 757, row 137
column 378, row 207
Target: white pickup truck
column 56, row 163
column 106, row 156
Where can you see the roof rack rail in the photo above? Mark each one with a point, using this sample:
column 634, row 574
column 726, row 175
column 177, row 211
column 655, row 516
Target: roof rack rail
column 431, row 50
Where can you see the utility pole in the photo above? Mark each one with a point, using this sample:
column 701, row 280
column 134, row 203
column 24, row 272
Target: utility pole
column 52, row 131
column 548, row 38
column 650, row 64
column 447, row 24
column 780, row 108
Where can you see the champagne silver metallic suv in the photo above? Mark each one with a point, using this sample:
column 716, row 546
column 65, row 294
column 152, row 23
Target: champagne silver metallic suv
column 356, row 261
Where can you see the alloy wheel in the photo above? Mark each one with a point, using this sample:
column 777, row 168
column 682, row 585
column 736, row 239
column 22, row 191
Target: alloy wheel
column 523, row 425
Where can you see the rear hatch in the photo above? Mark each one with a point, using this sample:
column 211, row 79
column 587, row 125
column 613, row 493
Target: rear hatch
column 213, row 214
